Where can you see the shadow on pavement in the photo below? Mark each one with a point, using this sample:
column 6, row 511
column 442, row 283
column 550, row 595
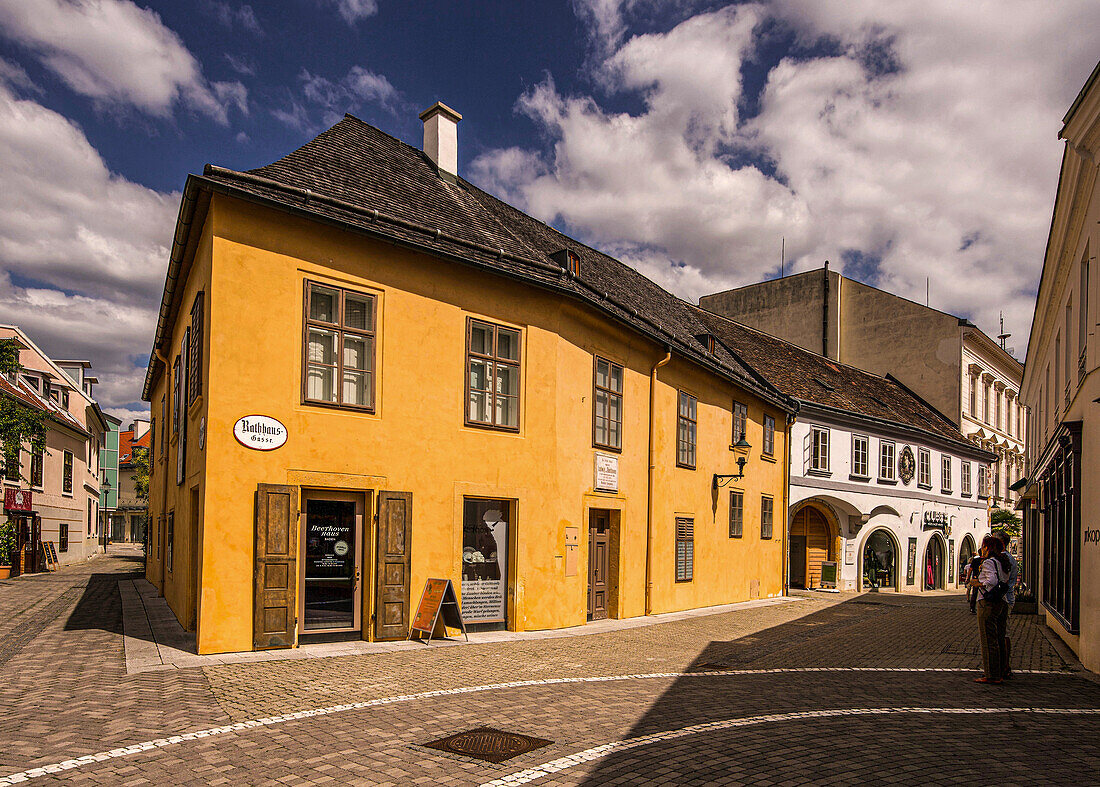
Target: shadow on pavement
column 867, row 632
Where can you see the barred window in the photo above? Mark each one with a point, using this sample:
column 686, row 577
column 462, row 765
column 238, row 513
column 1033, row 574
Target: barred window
column 607, row 405
column 686, row 425
column 740, row 420
column 194, row 357
column 67, row 473
column 766, row 512
column 737, row 513
column 685, row 549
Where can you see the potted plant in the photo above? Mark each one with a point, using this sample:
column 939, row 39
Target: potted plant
column 7, row 546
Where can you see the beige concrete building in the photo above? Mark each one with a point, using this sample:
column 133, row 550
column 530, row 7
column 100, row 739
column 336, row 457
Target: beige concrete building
column 1062, row 387
column 944, row 359
column 63, row 482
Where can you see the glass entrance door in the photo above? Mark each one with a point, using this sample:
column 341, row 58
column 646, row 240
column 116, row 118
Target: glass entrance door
column 331, row 576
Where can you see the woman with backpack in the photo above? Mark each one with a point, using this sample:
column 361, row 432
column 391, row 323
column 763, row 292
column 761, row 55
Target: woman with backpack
column 992, row 584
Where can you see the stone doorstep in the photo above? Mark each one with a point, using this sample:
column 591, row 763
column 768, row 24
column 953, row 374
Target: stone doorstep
column 155, row 641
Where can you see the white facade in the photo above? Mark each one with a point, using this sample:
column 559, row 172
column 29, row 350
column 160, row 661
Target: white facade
column 884, row 527
column 992, row 414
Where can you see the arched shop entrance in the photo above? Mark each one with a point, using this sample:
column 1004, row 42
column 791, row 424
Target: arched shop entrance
column 935, row 561
column 810, row 544
column 967, row 550
column 879, row 567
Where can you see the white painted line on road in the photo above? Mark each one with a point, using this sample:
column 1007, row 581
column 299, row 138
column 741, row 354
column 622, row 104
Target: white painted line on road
column 598, row 752
column 159, row 743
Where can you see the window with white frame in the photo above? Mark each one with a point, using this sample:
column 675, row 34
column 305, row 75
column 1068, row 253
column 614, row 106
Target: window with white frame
column 860, row 456
column 965, row 482
column 887, row 454
column 945, row 473
column 819, row 449
column 924, row 468
column 983, row 481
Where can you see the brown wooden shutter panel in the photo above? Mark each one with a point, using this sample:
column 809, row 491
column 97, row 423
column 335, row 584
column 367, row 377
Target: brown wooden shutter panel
column 275, row 578
column 394, row 558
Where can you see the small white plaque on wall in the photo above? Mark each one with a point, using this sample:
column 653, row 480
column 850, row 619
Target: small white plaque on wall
column 849, row 554
column 607, row 473
column 261, row 432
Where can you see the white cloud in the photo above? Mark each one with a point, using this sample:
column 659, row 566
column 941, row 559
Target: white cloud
column 356, row 89
column 233, row 17
column 352, row 11
column 88, row 248
column 924, row 142
column 115, row 53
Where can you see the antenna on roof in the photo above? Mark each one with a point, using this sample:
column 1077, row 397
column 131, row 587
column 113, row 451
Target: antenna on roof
column 1002, row 336
column 782, row 256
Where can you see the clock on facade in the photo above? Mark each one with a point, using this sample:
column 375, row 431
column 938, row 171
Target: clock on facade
column 906, row 465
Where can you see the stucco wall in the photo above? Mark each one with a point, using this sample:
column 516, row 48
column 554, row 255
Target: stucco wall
column 416, row 441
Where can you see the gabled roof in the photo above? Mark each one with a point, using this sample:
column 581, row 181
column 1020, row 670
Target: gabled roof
column 127, row 444
column 27, row 396
column 816, row 380
column 359, row 178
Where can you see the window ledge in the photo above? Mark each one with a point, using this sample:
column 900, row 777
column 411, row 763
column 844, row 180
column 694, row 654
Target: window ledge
column 890, row 481
column 195, row 406
column 924, row 486
column 819, row 473
column 854, row 477
column 768, row 458
column 946, row 491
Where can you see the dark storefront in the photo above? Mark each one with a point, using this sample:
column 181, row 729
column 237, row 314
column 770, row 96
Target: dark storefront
column 1060, row 504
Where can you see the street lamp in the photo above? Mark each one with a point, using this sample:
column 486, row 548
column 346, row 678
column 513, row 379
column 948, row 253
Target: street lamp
column 742, row 445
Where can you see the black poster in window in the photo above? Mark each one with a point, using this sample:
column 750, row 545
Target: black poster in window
column 330, row 537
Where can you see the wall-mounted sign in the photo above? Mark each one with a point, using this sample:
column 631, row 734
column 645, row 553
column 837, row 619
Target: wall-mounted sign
column 911, row 569
column 607, row 473
column 261, row 432
column 18, row 500
column 937, row 520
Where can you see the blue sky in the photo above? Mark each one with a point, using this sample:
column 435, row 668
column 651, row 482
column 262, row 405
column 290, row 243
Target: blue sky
column 904, row 142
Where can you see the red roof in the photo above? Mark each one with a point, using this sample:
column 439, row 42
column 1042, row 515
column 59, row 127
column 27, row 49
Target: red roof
column 31, row 398
column 127, row 444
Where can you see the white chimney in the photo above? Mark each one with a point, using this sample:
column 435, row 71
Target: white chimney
column 441, row 136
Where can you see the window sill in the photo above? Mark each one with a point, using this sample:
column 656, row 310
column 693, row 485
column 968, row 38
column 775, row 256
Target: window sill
column 854, row 477
column 890, row 481
column 685, row 467
column 946, row 492
column 607, row 448
column 195, row 406
column 512, row 430
column 768, row 458
column 349, row 408
column 819, row 473
column 927, row 487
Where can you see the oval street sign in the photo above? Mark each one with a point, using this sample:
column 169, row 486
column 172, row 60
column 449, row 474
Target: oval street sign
column 261, row 432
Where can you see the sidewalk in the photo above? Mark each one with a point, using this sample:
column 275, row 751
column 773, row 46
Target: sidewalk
column 154, row 639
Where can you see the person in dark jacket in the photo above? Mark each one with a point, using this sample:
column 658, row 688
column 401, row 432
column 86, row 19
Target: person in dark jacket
column 992, row 610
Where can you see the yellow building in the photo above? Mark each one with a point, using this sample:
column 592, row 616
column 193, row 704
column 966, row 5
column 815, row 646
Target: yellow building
column 367, row 372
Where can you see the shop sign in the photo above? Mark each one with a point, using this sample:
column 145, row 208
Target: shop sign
column 439, row 597
column 18, row 500
column 607, row 473
column 911, row 569
column 937, row 520
column 261, row 432
column 1092, row 536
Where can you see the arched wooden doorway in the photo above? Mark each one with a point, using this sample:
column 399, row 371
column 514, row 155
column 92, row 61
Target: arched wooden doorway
column 809, row 546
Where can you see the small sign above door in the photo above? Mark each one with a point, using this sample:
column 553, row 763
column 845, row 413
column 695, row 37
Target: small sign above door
column 607, row 473
column 260, row 432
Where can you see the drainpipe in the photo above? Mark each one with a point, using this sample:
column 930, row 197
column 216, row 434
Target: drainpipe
column 787, row 511
column 649, row 486
column 825, row 311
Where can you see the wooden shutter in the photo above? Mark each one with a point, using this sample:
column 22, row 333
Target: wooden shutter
column 275, row 578
column 685, row 549
column 391, row 613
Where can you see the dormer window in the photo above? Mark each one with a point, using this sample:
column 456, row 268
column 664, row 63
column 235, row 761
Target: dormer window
column 708, row 341
column 568, row 260
column 32, row 381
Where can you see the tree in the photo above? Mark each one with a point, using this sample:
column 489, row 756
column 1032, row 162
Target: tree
column 140, row 461
column 1003, row 519
column 19, row 423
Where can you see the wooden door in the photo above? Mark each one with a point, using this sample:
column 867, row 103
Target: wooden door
column 599, row 526
column 798, row 561
column 810, row 525
column 275, row 578
column 391, row 598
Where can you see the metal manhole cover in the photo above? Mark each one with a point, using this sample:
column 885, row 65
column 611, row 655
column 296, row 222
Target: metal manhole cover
column 485, row 743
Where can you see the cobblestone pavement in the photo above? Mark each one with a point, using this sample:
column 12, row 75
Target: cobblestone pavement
column 829, row 690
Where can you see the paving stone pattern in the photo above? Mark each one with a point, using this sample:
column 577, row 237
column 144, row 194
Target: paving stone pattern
column 68, row 694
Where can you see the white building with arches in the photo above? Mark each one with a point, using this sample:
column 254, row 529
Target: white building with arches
column 884, row 485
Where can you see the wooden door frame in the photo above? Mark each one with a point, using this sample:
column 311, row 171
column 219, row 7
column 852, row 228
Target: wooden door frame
column 362, row 517
column 593, row 513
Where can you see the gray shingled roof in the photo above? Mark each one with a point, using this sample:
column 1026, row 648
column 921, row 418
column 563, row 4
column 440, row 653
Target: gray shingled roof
column 814, row 379
column 358, row 177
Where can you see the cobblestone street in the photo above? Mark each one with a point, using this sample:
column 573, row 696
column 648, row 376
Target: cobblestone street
column 825, row 689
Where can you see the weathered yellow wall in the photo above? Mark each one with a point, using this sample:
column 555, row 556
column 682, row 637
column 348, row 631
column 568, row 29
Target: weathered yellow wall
column 417, row 442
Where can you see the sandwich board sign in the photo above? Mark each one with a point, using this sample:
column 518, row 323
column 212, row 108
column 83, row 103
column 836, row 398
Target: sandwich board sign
column 828, row 575
column 438, row 608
